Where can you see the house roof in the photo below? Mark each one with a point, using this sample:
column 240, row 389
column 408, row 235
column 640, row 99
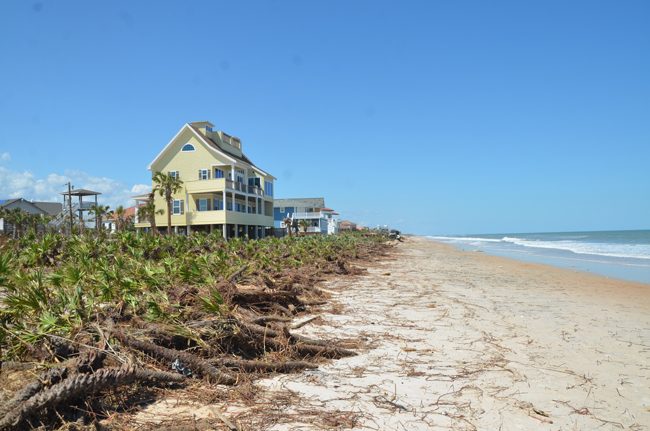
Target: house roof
column 51, row 208
column 81, row 192
column 6, row 202
column 128, row 212
column 300, row 202
column 212, row 144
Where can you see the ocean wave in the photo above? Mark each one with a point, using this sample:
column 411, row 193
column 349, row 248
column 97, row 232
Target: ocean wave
column 633, row 251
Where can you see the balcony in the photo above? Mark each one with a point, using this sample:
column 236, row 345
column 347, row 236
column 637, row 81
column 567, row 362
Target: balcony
column 309, row 215
column 218, row 184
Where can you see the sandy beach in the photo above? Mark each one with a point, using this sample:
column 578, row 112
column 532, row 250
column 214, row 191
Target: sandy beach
column 466, row 341
column 462, row 340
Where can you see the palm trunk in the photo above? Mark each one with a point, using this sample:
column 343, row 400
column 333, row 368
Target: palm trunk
column 169, row 217
column 152, row 222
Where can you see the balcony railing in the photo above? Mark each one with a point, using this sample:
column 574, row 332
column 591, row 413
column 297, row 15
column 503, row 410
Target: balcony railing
column 309, row 215
column 244, row 188
column 217, row 184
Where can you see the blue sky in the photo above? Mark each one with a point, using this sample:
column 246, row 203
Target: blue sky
column 434, row 117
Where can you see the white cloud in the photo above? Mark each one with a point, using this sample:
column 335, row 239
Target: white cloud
column 5, row 157
column 139, row 189
column 14, row 184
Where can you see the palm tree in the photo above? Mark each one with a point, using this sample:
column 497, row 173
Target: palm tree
column 120, row 218
column 287, row 223
column 167, row 185
column 17, row 218
column 148, row 212
column 100, row 211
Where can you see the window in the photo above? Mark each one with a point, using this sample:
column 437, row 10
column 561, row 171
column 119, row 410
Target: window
column 202, row 204
column 204, row 174
column 229, row 205
column 218, row 205
column 281, row 209
column 187, row 147
column 239, row 176
column 218, row 173
column 173, row 174
column 178, row 206
column 268, row 188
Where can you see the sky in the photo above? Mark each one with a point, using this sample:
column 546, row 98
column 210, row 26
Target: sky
column 433, row 117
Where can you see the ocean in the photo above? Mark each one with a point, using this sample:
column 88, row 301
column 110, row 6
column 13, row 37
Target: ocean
column 623, row 254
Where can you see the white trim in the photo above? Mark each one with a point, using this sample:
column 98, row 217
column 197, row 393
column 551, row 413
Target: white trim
column 201, row 139
column 210, row 148
column 166, row 146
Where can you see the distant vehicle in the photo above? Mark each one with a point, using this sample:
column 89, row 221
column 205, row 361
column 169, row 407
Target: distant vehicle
column 395, row 234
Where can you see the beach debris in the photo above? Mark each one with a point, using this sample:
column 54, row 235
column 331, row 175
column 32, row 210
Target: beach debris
column 178, row 366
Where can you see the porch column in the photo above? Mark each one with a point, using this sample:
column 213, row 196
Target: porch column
column 224, row 199
column 211, row 227
column 257, row 232
column 232, row 173
column 236, row 231
column 224, row 227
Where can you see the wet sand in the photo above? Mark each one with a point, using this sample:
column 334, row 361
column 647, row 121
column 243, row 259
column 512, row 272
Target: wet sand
column 462, row 340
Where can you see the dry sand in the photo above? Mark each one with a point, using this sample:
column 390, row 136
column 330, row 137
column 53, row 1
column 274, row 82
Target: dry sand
column 464, row 341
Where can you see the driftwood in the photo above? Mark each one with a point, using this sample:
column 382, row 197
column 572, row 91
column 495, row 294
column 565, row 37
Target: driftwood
column 78, row 385
column 195, row 363
column 303, row 346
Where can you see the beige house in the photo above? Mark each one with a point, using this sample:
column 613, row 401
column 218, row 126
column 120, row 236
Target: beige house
column 222, row 189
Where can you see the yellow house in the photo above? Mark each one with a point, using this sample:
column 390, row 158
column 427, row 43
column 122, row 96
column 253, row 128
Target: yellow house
column 222, row 189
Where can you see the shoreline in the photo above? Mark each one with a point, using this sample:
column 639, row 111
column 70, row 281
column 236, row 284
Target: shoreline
column 561, row 259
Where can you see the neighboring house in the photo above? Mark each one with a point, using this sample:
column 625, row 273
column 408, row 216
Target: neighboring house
column 321, row 219
column 31, row 207
column 347, row 225
column 110, row 224
column 222, row 189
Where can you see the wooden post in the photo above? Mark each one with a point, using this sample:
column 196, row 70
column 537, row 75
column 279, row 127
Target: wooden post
column 70, row 205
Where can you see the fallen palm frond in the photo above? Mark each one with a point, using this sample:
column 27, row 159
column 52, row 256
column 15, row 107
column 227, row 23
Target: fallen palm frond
column 81, row 384
column 200, row 366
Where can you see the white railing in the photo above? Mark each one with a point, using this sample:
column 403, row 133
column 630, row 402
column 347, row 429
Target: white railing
column 308, row 215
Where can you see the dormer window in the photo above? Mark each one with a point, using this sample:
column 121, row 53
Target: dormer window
column 187, row 147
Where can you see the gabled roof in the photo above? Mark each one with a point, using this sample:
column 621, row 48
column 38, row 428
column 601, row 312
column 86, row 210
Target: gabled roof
column 35, row 209
column 211, row 145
